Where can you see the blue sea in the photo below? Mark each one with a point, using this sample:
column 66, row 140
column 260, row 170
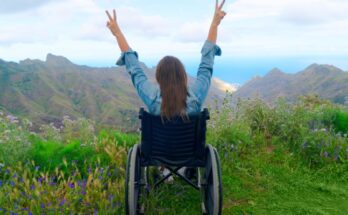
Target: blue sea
column 241, row 70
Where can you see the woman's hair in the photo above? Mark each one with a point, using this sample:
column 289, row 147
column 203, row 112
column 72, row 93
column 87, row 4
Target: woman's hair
column 172, row 79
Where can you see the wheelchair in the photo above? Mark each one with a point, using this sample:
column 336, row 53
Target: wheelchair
column 174, row 144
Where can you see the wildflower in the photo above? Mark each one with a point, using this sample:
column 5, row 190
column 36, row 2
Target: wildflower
column 336, row 152
column 83, row 192
column 12, row 118
column 42, row 205
column 111, row 197
column 32, row 187
column 40, row 179
column 37, row 168
column 61, row 203
column 95, row 211
column 326, row 154
column 82, row 184
column 11, row 183
column 71, row 185
column 0, row 183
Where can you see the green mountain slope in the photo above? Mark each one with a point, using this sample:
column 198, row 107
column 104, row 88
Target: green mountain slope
column 46, row 91
column 326, row 81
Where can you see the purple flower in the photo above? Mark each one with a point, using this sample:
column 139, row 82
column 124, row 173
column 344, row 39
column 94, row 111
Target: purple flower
column 42, row 205
column 61, row 203
column 326, row 154
column 30, row 213
column 39, row 179
column 32, row 187
column 95, row 211
column 0, row 183
column 52, row 183
column 82, row 183
column 83, row 192
column 11, row 183
column 101, row 170
column 111, row 197
column 72, row 185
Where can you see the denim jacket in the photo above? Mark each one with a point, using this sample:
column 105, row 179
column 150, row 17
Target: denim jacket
column 150, row 93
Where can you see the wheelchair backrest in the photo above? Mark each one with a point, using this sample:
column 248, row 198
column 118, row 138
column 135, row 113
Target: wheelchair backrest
column 176, row 142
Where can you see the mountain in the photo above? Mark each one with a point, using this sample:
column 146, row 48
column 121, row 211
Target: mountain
column 46, row 91
column 327, row 81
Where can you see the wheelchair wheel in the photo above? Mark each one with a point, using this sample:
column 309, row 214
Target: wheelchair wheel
column 211, row 185
column 133, row 181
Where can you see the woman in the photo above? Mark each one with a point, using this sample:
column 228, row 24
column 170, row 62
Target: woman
column 173, row 97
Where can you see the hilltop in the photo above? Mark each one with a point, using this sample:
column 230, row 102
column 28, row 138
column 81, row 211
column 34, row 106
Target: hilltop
column 327, row 81
column 46, row 91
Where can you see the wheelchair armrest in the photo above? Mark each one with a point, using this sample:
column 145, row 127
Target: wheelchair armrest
column 141, row 112
column 206, row 113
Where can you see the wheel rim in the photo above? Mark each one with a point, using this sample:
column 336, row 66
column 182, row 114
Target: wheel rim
column 212, row 183
column 134, row 182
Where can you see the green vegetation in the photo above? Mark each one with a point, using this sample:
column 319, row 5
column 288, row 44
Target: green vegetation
column 276, row 159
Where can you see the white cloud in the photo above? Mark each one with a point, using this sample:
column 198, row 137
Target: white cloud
column 251, row 27
column 314, row 11
column 13, row 6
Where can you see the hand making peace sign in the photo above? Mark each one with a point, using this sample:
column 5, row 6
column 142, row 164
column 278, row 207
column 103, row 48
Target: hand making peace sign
column 112, row 23
column 219, row 13
column 121, row 40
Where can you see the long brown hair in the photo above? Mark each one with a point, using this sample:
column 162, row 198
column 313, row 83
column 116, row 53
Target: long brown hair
column 172, row 79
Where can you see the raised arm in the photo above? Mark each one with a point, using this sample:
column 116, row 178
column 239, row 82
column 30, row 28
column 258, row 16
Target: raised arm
column 218, row 16
column 145, row 89
column 116, row 31
column 209, row 50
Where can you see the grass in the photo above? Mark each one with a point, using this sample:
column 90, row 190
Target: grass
column 281, row 159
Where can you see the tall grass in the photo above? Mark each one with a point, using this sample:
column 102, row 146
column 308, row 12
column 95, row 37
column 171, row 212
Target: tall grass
column 265, row 150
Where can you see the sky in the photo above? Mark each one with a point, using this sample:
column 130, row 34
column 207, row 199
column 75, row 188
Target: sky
column 255, row 36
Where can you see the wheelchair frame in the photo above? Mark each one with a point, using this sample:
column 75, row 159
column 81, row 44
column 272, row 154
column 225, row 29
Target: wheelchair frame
column 174, row 144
